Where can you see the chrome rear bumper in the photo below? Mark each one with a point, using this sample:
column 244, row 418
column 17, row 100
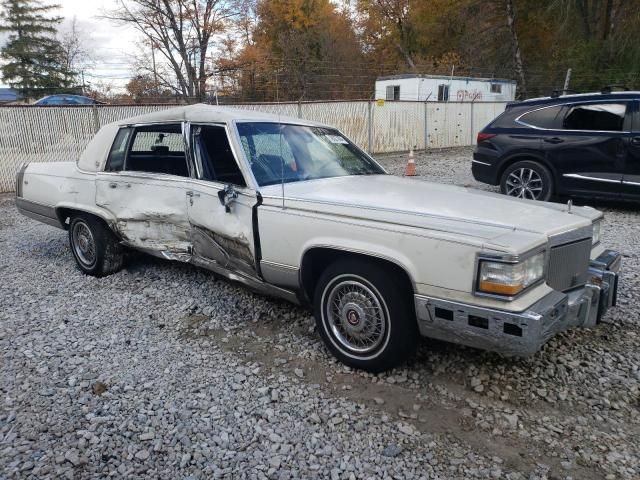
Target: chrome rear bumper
column 525, row 332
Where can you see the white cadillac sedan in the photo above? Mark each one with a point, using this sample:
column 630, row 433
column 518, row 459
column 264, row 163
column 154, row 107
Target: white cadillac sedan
column 294, row 209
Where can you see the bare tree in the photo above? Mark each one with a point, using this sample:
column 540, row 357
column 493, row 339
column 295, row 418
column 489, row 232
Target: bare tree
column 183, row 32
column 76, row 51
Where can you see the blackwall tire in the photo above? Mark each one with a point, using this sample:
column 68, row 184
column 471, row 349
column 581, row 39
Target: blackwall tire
column 527, row 179
column 95, row 248
column 365, row 315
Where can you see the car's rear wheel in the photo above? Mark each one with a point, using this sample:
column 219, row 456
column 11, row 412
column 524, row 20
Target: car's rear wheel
column 365, row 315
column 527, row 179
column 95, row 248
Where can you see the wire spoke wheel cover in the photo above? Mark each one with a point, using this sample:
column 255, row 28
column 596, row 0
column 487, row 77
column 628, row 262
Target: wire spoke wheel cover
column 355, row 316
column 524, row 183
column 84, row 245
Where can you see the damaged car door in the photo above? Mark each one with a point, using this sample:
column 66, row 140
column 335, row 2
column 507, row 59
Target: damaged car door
column 144, row 185
column 220, row 206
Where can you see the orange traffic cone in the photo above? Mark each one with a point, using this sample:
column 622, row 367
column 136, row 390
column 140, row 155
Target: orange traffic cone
column 410, row 170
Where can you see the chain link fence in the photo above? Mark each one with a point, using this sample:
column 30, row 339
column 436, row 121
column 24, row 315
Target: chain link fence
column 50, row 134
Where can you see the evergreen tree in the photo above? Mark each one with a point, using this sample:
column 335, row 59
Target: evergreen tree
column 32, row 56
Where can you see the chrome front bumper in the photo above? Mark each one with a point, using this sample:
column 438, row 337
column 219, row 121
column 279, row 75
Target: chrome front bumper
column 523, row 333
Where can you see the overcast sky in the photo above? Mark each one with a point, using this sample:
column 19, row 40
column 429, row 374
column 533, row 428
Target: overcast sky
column 110, row 44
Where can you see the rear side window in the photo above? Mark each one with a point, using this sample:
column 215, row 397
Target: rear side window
column 158, row 149
column 607, row 117
column 546, row 117
column 115, row 162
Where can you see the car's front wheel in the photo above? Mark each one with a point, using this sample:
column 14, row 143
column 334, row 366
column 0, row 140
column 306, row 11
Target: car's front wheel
column 527, row 179
column 365, row 315
column 96, row 249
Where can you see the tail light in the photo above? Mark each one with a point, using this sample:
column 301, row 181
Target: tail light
column 485, row 136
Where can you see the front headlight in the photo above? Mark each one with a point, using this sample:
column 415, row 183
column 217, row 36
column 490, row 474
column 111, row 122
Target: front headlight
column 596, row 231
column 509, row 279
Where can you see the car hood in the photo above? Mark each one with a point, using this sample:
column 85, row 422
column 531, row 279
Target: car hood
column 431, row 205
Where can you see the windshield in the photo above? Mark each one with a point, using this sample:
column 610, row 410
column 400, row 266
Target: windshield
column 291, row 153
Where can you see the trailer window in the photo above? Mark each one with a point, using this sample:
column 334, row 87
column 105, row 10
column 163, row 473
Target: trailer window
column 393, row 92
column 496, row 88
column 443, row 93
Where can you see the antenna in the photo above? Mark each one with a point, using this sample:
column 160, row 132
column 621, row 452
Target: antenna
column 280, row 140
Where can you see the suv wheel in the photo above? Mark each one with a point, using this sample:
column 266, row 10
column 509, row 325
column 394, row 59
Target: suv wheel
column 364, row 316
column 528, row 180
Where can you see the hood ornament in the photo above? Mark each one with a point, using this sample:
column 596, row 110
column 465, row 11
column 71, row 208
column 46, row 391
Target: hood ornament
column 569, row 205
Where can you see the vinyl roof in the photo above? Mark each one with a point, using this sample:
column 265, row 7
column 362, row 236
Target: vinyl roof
column 210, row 113
column 95, row 155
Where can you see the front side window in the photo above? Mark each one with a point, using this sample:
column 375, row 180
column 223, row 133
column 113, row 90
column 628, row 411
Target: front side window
column 158, row 149
column 546, row 117
column 607, row 117
column 292, row 153
column 214, row 154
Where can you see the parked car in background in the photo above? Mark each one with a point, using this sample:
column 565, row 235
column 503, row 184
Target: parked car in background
column 585, row 145
column 67, row 100
column 294, row 209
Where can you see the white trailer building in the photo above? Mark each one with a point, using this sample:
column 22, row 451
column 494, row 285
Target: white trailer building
column 441, row 88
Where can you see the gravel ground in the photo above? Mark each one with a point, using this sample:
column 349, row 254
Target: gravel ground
column 162, row 371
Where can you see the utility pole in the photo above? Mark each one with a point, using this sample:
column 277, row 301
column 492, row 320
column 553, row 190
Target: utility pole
column 566, row 81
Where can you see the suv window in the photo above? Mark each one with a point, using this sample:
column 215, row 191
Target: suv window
column 115, row 161
column 546, row 117
column 158, row 149
column 596, row 116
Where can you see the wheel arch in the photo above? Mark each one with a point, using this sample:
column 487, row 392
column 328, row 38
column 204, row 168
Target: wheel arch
column 64, row 213
column 316, row 259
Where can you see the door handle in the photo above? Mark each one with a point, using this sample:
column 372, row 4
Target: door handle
column 635, row 140
column 553, row 140
column 113, row 185
column 192, row 194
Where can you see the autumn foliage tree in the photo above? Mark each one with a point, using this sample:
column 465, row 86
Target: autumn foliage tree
column 298, row 50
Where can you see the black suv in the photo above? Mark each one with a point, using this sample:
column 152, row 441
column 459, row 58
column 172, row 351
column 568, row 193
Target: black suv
column 585, row 145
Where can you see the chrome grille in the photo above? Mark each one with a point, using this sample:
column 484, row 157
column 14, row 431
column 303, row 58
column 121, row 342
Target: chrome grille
column 569, row 264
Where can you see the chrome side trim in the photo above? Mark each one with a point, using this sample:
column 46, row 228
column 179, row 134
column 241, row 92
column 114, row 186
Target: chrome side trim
column 626, row 182
column 595, row 179
column 253, row 283
column 280, row 274
column 481, row 163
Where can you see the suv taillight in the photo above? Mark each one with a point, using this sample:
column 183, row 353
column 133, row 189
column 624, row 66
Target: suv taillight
column 485, row 136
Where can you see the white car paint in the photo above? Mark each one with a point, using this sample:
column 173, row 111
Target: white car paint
column 433, row 232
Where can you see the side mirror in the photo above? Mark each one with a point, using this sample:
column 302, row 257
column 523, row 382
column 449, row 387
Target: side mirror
column 227, row 196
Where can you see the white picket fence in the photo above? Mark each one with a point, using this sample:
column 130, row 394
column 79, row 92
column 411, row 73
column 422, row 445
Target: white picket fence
column 49, row 134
